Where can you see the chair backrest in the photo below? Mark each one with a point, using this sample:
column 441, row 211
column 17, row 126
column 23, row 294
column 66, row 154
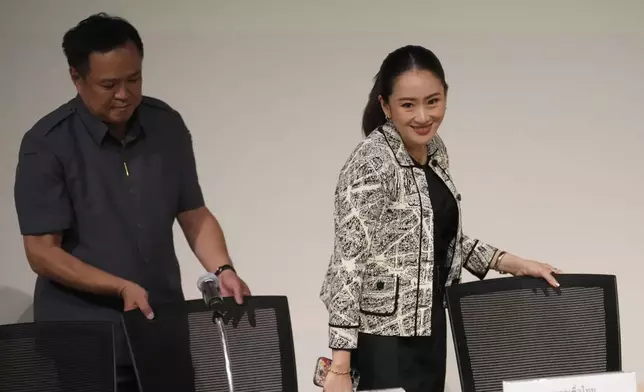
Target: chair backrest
column 57, row 357
column 521, row 328
column 182, row 347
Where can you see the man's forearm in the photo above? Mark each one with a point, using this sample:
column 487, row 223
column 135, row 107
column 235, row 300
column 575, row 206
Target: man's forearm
column 205, row 237
column 54, row 263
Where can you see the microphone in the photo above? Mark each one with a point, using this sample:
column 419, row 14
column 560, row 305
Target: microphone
column 208, row 284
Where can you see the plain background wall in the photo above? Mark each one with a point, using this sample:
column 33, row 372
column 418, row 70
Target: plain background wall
column 543, row 128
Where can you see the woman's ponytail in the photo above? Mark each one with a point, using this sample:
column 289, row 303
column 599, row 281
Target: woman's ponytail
column 373, row 116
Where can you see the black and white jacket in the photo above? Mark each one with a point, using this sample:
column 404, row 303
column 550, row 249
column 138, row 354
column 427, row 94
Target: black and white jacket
column 379, row 279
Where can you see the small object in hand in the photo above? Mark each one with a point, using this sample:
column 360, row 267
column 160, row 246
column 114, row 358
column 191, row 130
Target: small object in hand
column 321, row 369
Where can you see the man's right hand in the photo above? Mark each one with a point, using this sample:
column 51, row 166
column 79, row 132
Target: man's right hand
column 135, row 297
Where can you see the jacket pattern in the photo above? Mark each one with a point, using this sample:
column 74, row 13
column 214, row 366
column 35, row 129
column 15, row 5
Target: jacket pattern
column 379, row 278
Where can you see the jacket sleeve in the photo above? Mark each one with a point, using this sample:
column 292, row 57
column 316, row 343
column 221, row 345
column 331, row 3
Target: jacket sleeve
column 359, row 201
column 477, row 254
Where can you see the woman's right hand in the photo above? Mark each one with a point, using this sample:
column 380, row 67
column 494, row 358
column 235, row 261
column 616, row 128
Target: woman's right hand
column 337, row 383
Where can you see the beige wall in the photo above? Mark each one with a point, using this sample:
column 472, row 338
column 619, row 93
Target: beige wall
column 544, row 128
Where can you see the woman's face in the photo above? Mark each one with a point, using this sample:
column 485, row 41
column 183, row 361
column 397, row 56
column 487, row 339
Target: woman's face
column 416, row 107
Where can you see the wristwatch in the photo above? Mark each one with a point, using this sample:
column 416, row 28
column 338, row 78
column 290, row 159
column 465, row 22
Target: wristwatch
column 224, row 268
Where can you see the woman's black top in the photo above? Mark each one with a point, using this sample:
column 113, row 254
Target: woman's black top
column 445, row 213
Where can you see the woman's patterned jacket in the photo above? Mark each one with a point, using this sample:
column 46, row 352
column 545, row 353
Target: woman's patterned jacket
column 379, row 278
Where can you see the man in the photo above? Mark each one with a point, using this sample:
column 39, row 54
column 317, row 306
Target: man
column 99, row 183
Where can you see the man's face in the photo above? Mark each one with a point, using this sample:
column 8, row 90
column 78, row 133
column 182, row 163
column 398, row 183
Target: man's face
column 111, row 89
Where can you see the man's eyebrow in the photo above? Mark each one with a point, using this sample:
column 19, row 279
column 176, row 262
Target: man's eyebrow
column 112, row 80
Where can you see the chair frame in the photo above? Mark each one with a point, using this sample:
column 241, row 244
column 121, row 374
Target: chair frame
column 455, row 293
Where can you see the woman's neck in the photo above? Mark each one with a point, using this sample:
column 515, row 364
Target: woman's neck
column 418, row 153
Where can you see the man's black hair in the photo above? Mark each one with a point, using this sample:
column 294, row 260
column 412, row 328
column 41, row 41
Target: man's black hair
column 98, row 33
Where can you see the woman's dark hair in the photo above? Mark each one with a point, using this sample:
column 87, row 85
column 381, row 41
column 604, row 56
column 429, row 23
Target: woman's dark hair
column 98, row 33
column 395, row 64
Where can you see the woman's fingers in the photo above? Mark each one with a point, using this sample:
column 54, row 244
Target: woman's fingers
column 547, row 275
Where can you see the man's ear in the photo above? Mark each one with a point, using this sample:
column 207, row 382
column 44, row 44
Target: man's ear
column 75, row 76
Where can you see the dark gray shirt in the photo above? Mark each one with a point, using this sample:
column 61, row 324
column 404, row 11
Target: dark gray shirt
column 115, row 202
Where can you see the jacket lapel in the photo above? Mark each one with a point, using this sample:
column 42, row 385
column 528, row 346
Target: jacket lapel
column 439, row 162
column 396, row 144
column 435, row 150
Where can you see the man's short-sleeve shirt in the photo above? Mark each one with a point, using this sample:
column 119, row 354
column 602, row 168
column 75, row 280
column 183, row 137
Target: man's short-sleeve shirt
column 114, row 201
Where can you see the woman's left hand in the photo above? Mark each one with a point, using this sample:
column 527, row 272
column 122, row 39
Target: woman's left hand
column 522, row 267
column 539, row 270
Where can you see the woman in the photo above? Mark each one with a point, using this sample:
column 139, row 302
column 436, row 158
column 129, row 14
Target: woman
column 398, row 238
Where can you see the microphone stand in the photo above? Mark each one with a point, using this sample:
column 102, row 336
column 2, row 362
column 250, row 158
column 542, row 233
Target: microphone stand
column 209, row 287
column 217, row 319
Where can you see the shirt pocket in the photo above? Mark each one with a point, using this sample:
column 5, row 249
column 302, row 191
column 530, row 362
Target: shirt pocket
column 379, row 295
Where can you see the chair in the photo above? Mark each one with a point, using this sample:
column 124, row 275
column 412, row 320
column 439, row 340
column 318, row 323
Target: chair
column 59, row 356
column 521, row 328
column 181, row 348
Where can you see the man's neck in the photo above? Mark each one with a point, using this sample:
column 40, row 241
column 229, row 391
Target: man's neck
column 118, row 130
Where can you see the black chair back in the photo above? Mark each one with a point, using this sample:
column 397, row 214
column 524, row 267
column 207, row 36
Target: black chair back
column 521, row 328
column 72, row 356
column 182, row 348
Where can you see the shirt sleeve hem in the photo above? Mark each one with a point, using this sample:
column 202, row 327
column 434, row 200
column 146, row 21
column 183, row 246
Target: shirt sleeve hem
column 42, row 230
column 191, row 207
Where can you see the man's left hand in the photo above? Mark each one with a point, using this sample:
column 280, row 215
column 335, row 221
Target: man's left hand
column 232, row 285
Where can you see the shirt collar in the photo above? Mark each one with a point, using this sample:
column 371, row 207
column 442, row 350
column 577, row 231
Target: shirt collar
column 98, row 129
